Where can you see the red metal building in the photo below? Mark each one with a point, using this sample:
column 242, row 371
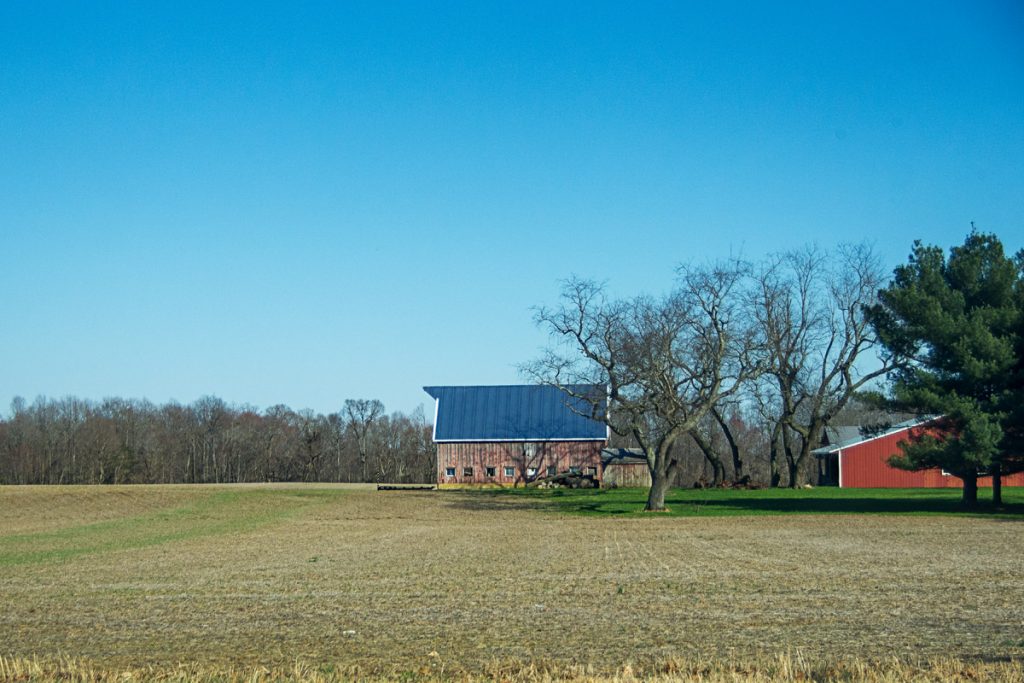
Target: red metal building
column 863, row 462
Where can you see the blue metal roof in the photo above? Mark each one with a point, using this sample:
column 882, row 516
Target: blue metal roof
column 514, row 413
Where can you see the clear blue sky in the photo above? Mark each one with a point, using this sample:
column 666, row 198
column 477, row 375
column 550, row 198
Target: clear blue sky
column 298, row 205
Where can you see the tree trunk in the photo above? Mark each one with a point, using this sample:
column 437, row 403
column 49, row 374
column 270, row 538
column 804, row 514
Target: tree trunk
column 660, row 483
column 773, row 458
column 793, row 468
column 792, row 463
column 970, row 497
column 997, row 486
column 717, row 467
column 734, row 448
column 663, row 472
column 800, row 462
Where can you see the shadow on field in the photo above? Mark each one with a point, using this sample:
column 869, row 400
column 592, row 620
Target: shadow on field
column 589, row 502
column 851, row 505
column 724, row 503
column 496, row 500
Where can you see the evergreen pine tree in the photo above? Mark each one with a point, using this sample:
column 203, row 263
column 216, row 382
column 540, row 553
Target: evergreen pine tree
column 959, row 325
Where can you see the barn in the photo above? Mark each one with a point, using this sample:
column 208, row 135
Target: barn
column 861, row 461
column 513, row 434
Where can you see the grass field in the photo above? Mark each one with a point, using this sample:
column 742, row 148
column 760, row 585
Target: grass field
column 344, row 577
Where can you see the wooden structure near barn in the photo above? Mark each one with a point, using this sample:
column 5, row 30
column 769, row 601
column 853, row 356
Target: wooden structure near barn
column 862, row 461
column 515, row 434
column 625, row 468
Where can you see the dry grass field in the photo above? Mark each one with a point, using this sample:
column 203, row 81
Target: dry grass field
column 354, row 579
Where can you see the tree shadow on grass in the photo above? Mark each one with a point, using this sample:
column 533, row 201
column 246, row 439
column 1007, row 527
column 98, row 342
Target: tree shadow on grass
column 486, row 500
column 910, row 505
column 720, row 503
column 557, row 500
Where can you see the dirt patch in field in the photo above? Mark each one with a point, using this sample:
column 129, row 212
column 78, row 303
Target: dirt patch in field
column 407, row 579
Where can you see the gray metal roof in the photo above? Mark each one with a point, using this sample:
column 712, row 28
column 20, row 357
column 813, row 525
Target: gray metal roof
column 515, row 413
column 842, row 434
column 859, row 434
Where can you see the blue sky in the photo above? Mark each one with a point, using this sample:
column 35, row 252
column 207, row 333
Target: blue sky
column 298, row 205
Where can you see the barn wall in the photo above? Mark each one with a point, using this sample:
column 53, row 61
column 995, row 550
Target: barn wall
column 519, row 455
column 865, row 465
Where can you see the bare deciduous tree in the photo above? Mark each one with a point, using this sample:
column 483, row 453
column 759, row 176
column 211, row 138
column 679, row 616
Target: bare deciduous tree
column 665, row 361
column 810, row 307
column 360, row 414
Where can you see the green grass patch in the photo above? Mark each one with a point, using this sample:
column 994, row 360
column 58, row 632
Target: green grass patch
column 727, row 503
column 218, row 512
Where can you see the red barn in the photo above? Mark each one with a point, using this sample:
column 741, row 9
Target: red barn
column 863, row 462
column 509, row 435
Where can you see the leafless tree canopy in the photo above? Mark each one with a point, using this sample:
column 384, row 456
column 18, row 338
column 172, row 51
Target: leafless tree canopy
column 781, row 346
column 667, row 362
column 73, row 441
column 810, row 307
column 360, row 416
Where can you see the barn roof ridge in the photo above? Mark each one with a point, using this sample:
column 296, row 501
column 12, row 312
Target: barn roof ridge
column 505, row 386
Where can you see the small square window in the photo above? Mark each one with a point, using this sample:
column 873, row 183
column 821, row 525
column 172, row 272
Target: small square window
column 531, row 471
column 552, row 470
column 491, row 471
column 574, row 470
column 590, row 471
column 449, row 471
column 510, row 471
column 467, row 471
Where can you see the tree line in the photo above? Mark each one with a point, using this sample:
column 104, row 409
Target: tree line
column 734, row 374
column 791, row 343
column 126, row 441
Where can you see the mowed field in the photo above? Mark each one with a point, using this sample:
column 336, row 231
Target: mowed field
column 389, row 581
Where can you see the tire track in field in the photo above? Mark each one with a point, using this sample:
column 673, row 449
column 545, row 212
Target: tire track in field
column 645, row 558
column 655, row 557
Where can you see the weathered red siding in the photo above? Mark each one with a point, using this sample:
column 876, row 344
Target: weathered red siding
column 865, row 465
column 522, row 457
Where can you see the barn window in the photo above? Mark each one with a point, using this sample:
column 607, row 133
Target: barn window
column 590, row 471
column 531, row 471
column 491, row 471
column 552, row 470
column 449, row 471
column 574, row 470
column 510, row 471
column 467, row 471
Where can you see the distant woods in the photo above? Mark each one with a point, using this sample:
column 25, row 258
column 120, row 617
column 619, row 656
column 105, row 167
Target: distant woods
column 127, row 441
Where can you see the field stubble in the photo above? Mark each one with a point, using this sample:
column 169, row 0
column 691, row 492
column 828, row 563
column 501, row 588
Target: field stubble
column 402, row 581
